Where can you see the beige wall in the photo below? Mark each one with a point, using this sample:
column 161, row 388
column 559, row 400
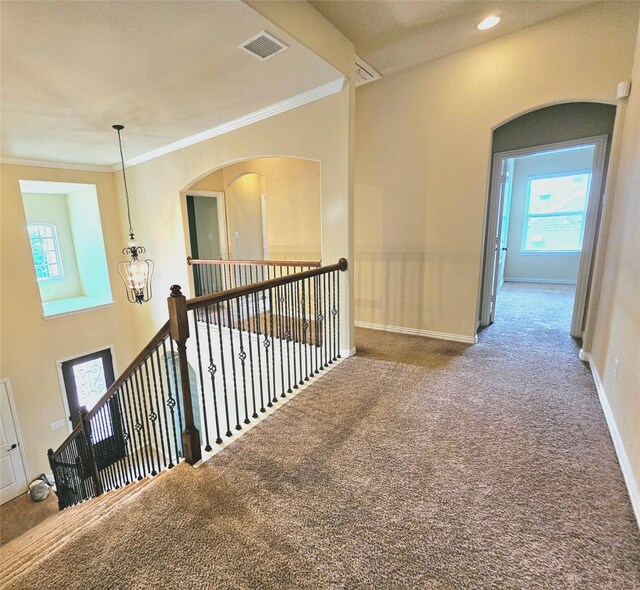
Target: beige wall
column 545, row 267
column 244, row 217
column 31, row 345
column 616, row 319
column 423, row 154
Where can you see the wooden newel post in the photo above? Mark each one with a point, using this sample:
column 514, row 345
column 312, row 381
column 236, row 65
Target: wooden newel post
column 179, row 329
column 93, row 465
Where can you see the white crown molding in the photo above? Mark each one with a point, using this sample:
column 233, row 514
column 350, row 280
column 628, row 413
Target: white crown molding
column 275, row 109
column 58, row 165
column 417, row 332
column 623, row 458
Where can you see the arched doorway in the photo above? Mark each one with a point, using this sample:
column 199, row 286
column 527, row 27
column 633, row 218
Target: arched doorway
column 539, row 230
column 258, row 209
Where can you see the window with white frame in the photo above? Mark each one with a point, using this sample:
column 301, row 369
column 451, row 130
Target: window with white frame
column 45, row 251
column 555, row 213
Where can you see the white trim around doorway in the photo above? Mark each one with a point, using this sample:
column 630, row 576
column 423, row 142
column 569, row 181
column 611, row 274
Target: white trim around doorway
column 583, row 281
column 222, row 219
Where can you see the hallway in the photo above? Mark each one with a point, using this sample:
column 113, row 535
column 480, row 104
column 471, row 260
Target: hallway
column 416, row 464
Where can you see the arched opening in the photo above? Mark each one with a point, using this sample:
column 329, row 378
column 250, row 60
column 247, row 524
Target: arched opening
column 257, row 209
column 548, row 176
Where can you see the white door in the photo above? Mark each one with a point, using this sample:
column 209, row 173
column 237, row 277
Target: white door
column 504, row 223
column 498, row 254
column 13, row 480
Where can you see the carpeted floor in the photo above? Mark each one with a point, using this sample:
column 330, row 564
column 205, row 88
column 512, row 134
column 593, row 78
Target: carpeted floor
column 21, row 514
column 416, row 464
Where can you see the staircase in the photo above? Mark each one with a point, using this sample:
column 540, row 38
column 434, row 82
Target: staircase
column 25, row 552
column 223, row 359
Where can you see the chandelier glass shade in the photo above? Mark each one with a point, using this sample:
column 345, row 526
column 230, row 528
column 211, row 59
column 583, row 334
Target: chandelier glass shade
column 135, row 272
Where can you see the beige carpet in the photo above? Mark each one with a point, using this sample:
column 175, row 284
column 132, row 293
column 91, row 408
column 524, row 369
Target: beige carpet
column 416, row 464
column 21, row 514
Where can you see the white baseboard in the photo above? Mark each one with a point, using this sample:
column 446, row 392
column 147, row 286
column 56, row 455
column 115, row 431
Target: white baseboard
column 623, row 459
column 544, row 281
column 345, row 352
column 417, row 332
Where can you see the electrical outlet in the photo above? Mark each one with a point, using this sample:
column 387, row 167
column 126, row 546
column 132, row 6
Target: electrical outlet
column 57, row 425
column 616, row 365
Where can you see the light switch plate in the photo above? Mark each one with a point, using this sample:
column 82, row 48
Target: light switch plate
column 57, row 425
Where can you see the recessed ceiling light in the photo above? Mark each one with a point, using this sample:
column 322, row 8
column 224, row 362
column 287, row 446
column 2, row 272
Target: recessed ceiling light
column 487, row 23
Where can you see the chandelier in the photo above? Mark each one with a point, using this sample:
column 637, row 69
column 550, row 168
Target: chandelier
column 136, row 272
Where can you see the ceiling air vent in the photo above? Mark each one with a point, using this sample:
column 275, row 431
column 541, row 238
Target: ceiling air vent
column 364, row 72
column 263, row 46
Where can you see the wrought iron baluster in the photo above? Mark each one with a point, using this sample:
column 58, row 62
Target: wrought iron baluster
column 250, row 339
column 273, row 352
column 171, row 404
column 256, row 315
column 139, row 425
column 124, row 434
column 287, row 333
column 316, row 315
column 163, row 401
column 151, row 418
column 159, row 404
column 304, row 326
column 242, row 355
column 338, row 315
column 128, row 384
column 325, row 313
column 266, row 343
column 233, row 366
column 281, row 336
column 116, row 441
column 212, row 372
column 92, row 426
column 292, row 331
column 224, row 374
column 334, row 311
column 196, row 329
column 179, row 449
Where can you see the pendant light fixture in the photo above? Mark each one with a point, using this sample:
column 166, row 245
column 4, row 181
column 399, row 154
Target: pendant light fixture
column 135, row 273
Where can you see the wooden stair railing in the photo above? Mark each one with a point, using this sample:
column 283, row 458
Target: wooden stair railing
column 250, row 346
column 213, row 276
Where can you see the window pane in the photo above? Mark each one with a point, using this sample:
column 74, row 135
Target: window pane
column 559, row 194
column 44, row 248
column 91, row 386
column 555, row 233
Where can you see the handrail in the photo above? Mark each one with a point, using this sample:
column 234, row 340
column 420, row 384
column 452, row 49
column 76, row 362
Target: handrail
column 312, row 263
column 162, row 332
column 67, row 440
column 197, row 302
column 145, row 422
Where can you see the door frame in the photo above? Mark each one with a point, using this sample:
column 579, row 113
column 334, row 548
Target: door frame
column 16, row 423
column 222, row 219
column 589, row 242
column 265, row 240
column 63, row 391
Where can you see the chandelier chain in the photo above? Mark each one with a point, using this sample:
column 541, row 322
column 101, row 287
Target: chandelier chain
column 126, row 190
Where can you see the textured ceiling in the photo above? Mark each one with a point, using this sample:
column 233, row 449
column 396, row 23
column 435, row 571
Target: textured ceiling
column 394, row 35
column 166, row 70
